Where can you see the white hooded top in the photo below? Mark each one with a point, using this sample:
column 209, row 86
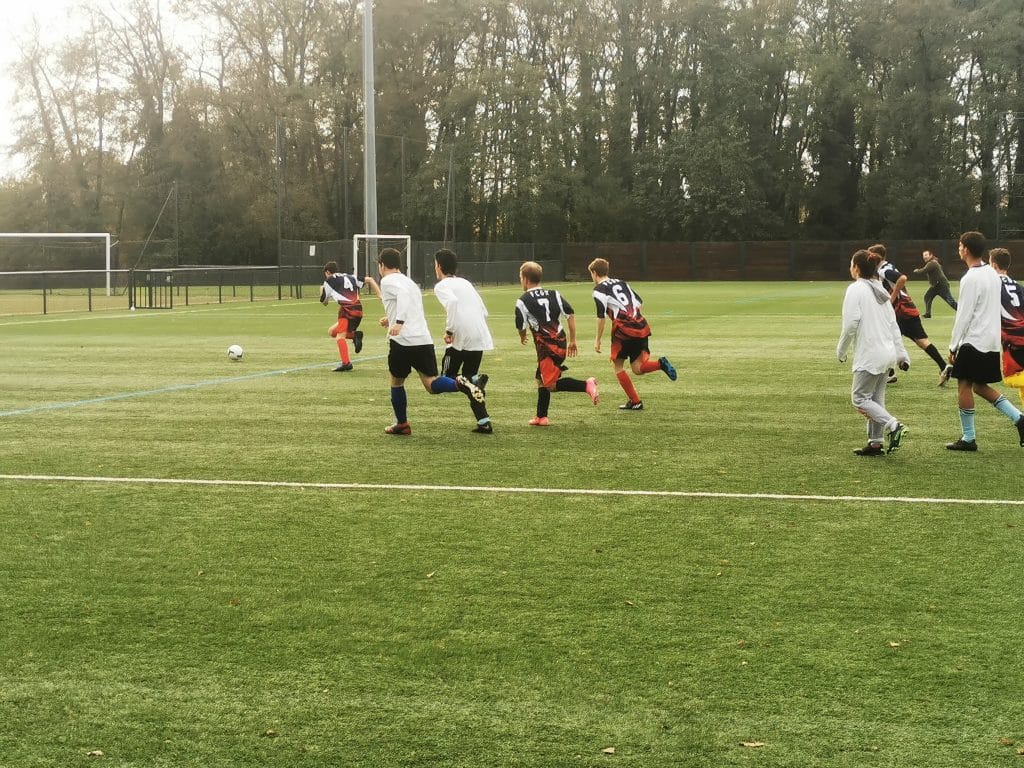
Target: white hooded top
column 869, row 324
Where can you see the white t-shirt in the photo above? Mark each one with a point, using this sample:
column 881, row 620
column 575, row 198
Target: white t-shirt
column 403, row 301
column 869, row 323
column 978, row 310
column 466, row 315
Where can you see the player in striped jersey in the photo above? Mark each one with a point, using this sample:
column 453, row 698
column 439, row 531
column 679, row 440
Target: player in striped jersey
column 343, row 290
column 540, row 310
column 908, row 316
column 1012, row 317
column 617, row 302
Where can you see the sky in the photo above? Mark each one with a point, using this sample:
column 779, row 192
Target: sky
column 56, row 20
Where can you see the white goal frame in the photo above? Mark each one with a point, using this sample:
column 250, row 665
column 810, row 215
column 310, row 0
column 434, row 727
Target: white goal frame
column 104, row 236
column 357, row 239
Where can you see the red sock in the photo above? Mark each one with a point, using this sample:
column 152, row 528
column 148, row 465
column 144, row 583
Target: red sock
column 627, row 386
column 343, row 349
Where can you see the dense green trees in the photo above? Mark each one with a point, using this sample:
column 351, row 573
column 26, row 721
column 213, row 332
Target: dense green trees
column 525, row 121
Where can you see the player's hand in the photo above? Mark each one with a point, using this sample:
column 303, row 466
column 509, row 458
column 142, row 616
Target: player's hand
column 448, row 338
column 597, row 347
column 383, row 322
column 572, row 349
column 394, row 330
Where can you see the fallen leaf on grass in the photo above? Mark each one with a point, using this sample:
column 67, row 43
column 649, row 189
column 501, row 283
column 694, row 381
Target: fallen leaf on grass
column 893, row 644
column 608, row 751
column 431, row 574
column 752, row 744
column 95, row 753
column 1006, row 742
column 270, row 733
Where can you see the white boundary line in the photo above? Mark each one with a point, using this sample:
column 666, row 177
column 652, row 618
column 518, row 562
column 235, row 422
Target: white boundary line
column 499, row 489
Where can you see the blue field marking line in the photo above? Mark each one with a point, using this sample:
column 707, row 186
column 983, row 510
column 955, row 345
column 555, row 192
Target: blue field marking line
column 174, row 388
column 289, row 485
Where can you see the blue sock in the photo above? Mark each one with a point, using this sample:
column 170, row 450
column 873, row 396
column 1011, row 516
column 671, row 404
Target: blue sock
column 398, row 403
column 967, row 424
column 443, row 384
column 1007, row 408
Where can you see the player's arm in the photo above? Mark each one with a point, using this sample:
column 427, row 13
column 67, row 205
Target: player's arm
column 374, row 287
column 897, row 287
column 521, row 322
column 570, row 323
column 450, row 303
column 602, row 310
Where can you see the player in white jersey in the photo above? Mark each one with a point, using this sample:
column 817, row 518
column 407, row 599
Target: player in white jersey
column 466, row 335
column 975, row 344
column 411, row 346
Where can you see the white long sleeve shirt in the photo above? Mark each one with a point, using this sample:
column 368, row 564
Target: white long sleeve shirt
column 978, row 310
column 465, row 314
column 869, row 325
column 404, row 302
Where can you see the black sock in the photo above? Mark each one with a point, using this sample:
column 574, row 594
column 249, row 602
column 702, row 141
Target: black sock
column 543, row 401
column 936, row 356
column 570, row 385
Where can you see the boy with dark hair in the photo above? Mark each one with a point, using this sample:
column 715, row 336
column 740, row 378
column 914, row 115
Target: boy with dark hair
column 908, row 317
column 343, row 289
column 975, row 343
column 410, row 344
column 466, row 335
column 615, row 300
column 540, row 310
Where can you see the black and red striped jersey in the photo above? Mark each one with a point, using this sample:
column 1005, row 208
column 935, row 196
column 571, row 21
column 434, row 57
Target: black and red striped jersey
column 1012, row 315
column 904, row 305
column 618, row 302
column 541, row 310
column 343, row 289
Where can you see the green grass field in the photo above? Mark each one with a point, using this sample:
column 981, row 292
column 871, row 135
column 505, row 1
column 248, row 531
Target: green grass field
column 210, row 563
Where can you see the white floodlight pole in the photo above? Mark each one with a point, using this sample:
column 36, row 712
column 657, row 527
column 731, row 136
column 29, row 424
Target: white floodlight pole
column 369, row 128
column 41, row 235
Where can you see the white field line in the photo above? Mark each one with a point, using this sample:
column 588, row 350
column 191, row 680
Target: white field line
column 276, row 484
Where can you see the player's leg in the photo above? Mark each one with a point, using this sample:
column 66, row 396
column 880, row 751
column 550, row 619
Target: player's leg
column 929, row 297
column 354, row 333
column 399, row 368
column 340, row 331
column 619, row 355
column 548, row 372
column 867, row 394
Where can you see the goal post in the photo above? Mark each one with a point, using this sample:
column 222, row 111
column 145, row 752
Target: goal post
column 366, row 247
column 104, row 237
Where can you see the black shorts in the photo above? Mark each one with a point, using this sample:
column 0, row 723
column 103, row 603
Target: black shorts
column 911, row 327
column 977, row 367
column 630, row 348
column 402, row 360
column 455, row 361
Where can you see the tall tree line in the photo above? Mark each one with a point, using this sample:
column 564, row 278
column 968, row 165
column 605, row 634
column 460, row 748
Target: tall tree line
column 583, row 120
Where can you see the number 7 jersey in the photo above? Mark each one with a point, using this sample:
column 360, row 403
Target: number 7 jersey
column 541, row 310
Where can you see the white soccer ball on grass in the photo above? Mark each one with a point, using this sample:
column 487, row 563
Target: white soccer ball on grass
column 235, row 352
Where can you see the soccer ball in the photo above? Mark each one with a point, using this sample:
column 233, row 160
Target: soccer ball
column 235, row 352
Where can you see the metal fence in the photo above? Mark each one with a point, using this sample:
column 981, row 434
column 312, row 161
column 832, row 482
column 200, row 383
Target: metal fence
column 32, row 292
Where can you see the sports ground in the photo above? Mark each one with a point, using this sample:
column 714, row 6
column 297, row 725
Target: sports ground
column 213, row 563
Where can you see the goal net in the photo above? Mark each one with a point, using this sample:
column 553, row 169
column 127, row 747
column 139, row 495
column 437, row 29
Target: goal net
column 55, row 252
column 366, row 247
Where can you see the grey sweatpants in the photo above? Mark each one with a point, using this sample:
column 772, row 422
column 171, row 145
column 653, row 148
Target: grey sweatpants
column 868, row 397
